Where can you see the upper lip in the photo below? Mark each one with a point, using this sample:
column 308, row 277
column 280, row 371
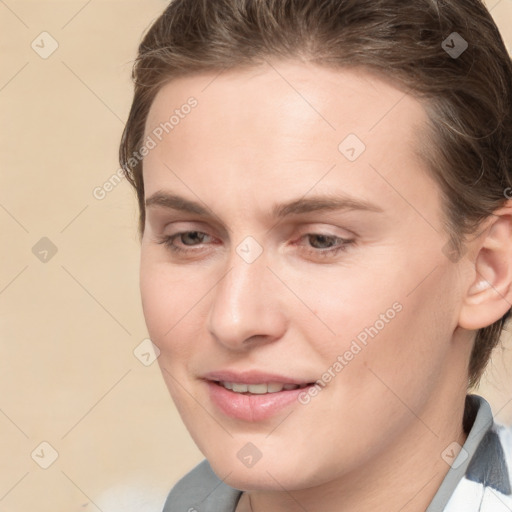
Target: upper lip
column 252, row 377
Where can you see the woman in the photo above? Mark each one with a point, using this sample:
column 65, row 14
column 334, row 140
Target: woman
column 326, row 248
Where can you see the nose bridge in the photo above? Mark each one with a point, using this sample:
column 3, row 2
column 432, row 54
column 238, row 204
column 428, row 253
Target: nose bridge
column 245, row 304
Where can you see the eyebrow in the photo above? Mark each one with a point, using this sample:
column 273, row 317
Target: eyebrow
column 295, row 207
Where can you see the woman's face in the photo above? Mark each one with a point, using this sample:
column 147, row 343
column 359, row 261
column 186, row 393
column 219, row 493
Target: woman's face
column 292, row 235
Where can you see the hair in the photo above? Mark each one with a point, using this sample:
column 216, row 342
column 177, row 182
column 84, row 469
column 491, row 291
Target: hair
column 467, row 140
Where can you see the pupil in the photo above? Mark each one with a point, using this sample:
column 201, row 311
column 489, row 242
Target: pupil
column 193, row 235
column 322, row 239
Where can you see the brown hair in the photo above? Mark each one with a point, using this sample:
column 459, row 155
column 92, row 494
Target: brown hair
column 468, row 97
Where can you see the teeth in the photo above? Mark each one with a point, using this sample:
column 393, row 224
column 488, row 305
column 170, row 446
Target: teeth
column 259, row 389
column 239, row 388
column 274, row 387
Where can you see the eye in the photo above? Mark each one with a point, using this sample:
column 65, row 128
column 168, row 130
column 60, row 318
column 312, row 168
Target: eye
column 322, row 241
column 317, row 244
column 187, row 238
column 320, row 245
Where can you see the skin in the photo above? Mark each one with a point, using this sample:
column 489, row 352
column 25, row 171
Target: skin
column 256, row 140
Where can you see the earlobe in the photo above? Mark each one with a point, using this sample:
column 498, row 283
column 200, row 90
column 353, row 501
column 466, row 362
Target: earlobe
column 489, row 295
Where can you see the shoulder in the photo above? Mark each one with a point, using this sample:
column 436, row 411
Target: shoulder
column 488, row 480
column 201, row 490
column 505, row 436
column 479, row 479
column 486, row 485
column 491, row 464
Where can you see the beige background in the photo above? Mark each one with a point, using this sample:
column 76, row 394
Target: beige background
column 69, row 325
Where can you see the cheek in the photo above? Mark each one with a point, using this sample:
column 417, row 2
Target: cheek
column 385, row 319
column 157, row 302
column 174, row 305
column 407, row 356
column 345, row 302
column 163, row 301
column 165, row 312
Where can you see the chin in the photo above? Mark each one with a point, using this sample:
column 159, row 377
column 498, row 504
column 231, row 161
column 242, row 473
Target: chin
column 256, row 479
column 266, row 474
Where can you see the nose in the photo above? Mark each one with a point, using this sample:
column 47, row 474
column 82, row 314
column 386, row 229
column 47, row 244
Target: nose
column 246, row 307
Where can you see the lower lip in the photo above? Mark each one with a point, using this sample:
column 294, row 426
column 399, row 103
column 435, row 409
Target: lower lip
column 252, row 407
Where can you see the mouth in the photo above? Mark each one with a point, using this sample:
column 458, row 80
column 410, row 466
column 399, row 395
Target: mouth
column 259, row 389
column 257, row 401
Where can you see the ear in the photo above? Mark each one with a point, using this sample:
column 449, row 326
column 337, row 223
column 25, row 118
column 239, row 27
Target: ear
column 489, row 295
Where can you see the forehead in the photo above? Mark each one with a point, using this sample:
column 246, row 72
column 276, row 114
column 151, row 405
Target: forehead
column 284, row 121
column 285, row 100
column 363, row 97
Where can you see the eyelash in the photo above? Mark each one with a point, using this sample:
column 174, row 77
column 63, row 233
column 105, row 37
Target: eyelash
column 342, row 247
